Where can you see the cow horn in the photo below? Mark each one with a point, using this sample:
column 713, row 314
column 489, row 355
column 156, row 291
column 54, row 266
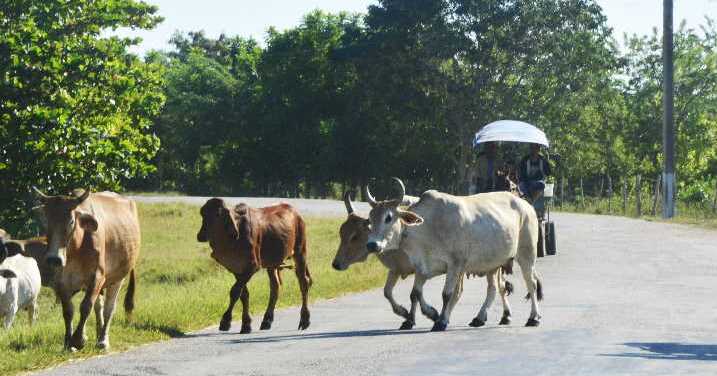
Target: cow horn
column 403, row 189
column 369, row 197
column 84, row 196
column 42, row 196
column 347, row 202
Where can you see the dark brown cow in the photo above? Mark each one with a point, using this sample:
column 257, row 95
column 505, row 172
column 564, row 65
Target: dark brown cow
column 244, row 240
column 95, row 239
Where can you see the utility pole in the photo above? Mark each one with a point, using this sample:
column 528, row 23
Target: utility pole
column 668, row 126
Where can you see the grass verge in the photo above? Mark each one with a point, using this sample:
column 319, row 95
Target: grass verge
column 180, row 289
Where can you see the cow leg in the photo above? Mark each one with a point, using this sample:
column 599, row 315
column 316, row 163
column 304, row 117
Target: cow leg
column 245, row 317
column 110, row 303
column 68, row 311
column 10, row 316
column 453, row 275
column 99, row 319
column 491, row 291
column 417, row 294
column 535, row 291
column 93, row 291
column 457, row 292
column 504, row 288
column 32, row 311
column 304, row 277
column 398, row 309
column 235, row 293
column 273, row 296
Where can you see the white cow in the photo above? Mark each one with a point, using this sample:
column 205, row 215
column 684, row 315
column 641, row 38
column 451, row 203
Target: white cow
column 442, row 233
column 19, row 287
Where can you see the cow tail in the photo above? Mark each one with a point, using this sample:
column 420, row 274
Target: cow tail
column 129, row 296
column 508, row 288
column 301, row 253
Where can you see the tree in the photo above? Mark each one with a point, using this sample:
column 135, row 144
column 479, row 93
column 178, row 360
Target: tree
column 75, row 109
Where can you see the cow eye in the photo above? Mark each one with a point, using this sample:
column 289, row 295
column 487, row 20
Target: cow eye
column 388, row 218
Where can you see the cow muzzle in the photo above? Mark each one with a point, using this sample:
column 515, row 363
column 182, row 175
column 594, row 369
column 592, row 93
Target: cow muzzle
column 55, row 261
column 338, row 266
column 373, row 247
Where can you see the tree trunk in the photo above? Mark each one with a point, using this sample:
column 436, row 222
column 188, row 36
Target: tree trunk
column 714, row 199
column 638, row 191
column 562, row 190
column 582, row 194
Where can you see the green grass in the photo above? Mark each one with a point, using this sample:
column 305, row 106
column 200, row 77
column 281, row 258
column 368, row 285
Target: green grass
column 692, row 214
column 180, row 289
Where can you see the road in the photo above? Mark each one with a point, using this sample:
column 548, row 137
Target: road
column 622, row 297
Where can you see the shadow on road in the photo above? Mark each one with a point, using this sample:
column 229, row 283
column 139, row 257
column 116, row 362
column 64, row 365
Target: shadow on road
column 346, row 334
column 669, row 351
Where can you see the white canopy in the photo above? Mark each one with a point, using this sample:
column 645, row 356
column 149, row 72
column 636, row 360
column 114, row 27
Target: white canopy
column 510, row 130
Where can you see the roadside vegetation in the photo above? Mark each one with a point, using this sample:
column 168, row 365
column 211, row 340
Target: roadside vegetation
column 180, row 289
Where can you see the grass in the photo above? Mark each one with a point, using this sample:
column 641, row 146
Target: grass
column 180, row 289
column 692, row 214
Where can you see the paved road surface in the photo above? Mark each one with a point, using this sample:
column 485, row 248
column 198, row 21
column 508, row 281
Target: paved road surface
column 622, row 297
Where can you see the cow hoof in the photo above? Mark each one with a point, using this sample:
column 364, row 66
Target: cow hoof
column 439, row 326
column 303, row 324
column 245, row 329
column 408, row 324
column 103, row 346
column 225, row 325
column 265, row 325
column 505, row 320
column 77, row 343
column 476, row 323
column 532, row 322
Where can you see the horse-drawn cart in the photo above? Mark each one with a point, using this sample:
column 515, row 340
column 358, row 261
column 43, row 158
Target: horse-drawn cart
column 521, row 132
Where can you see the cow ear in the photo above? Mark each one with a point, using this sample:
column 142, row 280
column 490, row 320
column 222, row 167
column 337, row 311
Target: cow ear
column 87, row 221
column 229, row 224
column 7, row 274
column 410, row 218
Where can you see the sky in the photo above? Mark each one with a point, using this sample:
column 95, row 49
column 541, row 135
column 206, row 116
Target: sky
column 251, row 18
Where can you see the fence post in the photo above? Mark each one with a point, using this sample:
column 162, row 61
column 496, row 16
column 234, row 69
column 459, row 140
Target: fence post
column 638, row 191
column 714, row 199
column 657, row 195
column 624, row 196
column 562, row 190
column 609, row 194
column 582, row 194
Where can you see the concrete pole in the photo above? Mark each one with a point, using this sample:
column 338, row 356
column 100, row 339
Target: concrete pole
column 668, row 128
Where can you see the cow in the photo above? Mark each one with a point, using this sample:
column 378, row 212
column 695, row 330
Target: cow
column 36, row 248
column 352, row 248
column 94, row 239
column 244, row 240
column 19, row 286
column 442, row 233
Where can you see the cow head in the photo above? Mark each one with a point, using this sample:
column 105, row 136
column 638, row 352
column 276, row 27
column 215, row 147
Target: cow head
column 354, row 235
column 387, row 221
column 216, row 221
column 64, row 223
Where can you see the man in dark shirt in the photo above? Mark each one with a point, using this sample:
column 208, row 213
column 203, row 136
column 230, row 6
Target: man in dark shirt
column 533, row 170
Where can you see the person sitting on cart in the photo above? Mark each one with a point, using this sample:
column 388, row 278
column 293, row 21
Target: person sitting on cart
column 487, row 169
column 533, row 170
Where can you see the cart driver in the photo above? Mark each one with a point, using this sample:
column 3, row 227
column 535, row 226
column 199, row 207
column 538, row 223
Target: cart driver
column 533, row 170
column 487, row 168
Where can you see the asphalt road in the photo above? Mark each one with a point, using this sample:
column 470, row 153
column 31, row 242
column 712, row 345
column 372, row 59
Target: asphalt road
column 622, row 297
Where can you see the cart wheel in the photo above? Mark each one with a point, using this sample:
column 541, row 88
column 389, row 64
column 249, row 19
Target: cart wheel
column 550, row 240
column 541, row 239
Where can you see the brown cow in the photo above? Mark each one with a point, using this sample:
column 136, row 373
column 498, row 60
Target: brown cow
column 95, row 238
column 244, row 240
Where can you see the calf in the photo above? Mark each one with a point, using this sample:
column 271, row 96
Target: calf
column 352, row 248
column 94, row 239
column 244, row 240
column 19, row 286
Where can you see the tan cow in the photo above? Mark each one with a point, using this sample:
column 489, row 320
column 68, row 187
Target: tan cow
column 352, row 249
column 95, row 239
